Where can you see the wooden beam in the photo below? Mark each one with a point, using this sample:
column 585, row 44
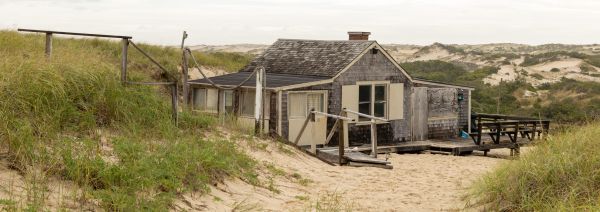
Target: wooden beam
column 125, row 44
column 48, row 44
column 308, row 118
column 341, row 139
column 174, row 103
column 184, row 69
column 373, row 139
column 74, row 33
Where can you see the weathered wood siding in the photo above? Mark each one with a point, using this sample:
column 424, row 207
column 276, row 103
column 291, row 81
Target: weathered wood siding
column 447, row 117
column 372, row 67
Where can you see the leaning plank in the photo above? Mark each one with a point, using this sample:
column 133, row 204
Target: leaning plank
column 364, row 158
column 359, row 164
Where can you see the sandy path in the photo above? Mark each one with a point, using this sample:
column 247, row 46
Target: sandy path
column 418, row 182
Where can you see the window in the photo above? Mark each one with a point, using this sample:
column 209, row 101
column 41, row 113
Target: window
column 199, row 102
column 248, row 98
column 372, row 100
column 228, row 101
column 297, row 105
column 247, row 103
column 300, row 104
column 380, row 100
column 205, row 99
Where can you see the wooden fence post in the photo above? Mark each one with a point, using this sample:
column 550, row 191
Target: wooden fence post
column 373, row 139
column 124, row 60
column 341, row 140
column 174, row 103
column 186, row 86
column 48, row 44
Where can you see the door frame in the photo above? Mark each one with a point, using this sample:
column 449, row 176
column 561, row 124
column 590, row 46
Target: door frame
column 325, row 108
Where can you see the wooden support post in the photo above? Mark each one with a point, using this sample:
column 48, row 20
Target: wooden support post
column 258, row 102
column 313, row 140
column 479, row 130
column 48, row 44
column 373, row 139
column 124, row 60
column 341, row 139
column 186, row 86
column 534, row 131
column 174, row 102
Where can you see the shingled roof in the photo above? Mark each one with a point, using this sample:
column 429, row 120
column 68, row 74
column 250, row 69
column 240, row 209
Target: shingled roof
column 309, row 57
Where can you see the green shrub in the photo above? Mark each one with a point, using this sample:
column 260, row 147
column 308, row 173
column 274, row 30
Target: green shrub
column 554, row 70
column 537, row 76
column 71, row 116
column 560, row 174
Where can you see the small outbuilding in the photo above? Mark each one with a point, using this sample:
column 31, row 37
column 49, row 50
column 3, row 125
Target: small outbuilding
column 325, row 75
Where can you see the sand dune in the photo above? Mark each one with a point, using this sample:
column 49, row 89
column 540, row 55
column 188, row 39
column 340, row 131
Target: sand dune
column 418, row 182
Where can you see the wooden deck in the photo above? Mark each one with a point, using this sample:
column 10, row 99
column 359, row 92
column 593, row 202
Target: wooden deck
column 359, row 155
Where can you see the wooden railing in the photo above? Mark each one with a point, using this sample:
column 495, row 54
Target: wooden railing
column 496, row 125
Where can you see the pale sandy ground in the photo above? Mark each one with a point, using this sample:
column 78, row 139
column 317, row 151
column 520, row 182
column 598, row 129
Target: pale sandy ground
column 418, row 182
column 193, row 73
column 56, row 194
column 506, row 73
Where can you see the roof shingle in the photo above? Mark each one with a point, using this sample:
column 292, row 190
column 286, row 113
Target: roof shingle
column 309, row 57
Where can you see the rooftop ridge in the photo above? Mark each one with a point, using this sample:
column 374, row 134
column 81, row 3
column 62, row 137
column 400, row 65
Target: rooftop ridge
column 352, row 41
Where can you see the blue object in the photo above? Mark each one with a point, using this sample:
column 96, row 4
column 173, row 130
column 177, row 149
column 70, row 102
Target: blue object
column 464, row 134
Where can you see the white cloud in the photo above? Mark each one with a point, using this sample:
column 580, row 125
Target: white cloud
column 263, row 21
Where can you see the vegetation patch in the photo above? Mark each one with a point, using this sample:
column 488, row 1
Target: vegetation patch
column 560, row 174
column 56, row 110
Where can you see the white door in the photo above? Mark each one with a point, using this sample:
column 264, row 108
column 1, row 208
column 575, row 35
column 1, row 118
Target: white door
column 299, row 106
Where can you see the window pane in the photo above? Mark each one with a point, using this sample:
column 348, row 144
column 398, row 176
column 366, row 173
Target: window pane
column 199, row 98
column 364, row 93
column 248, row 103
column 267, row 105
column 315, row 101
column 380, row 93
column 228, row 101
column 212, row 97
column 379, row 109
column 364, row 108
column 297, row 105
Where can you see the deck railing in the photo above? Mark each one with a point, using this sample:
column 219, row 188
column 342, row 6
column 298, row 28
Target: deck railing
column 496, row 125
column 341, row 126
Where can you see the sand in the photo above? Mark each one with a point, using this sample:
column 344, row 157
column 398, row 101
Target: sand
column 418, row 182
column 55, row 194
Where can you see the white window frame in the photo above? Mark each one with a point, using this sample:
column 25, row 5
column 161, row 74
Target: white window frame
column 373, row 84
column 306, row 92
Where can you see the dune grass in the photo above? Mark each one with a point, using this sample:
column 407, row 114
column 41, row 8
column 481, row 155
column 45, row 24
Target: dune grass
column 69, row 117
column 560, row 174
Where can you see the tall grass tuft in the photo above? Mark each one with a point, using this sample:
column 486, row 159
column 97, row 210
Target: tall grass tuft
column 70, row 117
column 560, row 174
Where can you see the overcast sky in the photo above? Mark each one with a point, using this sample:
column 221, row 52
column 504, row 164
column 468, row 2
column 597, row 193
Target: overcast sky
column 263, row 21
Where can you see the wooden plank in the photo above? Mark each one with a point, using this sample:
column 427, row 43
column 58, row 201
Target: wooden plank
column 419, row 112
column 359, row 164
column 125, row 44
column 48, row 44
column 361, row 157
column 74, row 33
column 373, row 139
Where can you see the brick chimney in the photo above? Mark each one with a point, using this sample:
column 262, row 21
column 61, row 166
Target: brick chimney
column 358, row 35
